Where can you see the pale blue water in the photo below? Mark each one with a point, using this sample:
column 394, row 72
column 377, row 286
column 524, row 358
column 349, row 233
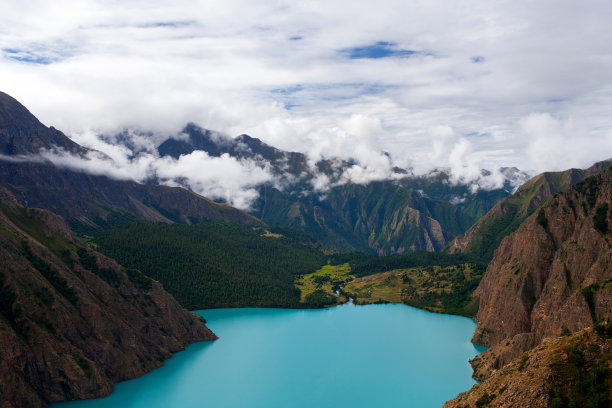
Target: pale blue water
column 349, row 356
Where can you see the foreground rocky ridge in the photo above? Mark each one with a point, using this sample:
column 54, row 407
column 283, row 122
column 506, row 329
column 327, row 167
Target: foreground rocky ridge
column 558, row 372
column 73, row 322
column 551, row 275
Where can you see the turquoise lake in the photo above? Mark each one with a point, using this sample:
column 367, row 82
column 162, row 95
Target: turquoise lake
column 355, row 356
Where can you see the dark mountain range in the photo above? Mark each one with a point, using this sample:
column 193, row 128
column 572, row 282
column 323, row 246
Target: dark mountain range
column 72, row 321
column 405, row 213
column 87, row 201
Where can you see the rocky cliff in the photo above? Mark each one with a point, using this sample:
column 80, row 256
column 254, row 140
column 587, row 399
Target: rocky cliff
column 551, row 275
column 73, row 322
column 505, row 217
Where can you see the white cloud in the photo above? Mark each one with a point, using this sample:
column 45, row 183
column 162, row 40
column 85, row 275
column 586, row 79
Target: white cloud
column 221, row 178
column 217, row 177
column 555, row 144
column 276, row 71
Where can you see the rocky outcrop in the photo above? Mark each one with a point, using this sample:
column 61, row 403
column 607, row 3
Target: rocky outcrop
column 505, row 217
column 551, row 275
column 558, row 372
column 73, row 322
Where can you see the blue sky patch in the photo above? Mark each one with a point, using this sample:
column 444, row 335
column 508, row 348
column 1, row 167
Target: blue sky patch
column 381, row 49
column 288, row 90
column 26, row 56
column 169, row 24
column 478, row 134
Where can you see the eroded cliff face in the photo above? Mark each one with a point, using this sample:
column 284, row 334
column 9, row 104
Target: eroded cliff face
column 554, row 273
column 73, row 322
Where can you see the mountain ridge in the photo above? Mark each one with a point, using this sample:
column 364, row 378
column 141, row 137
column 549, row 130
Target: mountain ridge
column 428, row 210
column 485, row 235
column 89, row 202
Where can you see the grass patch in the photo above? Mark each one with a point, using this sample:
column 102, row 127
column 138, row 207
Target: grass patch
column 578, row 381
column 442, row 289
column 326, row 280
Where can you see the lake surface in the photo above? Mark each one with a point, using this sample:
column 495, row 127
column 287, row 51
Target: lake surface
column 355, row 356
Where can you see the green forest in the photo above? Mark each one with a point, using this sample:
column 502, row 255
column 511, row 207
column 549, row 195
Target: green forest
column 213, row 265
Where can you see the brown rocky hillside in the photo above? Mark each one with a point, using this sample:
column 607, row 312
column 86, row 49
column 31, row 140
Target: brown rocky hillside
column 73, row 322
column 507, row 215
column 553, row 274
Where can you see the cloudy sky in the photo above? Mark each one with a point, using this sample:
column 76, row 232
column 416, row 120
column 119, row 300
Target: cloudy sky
column 465, row 84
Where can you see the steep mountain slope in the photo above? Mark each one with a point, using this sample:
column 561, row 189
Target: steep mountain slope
column 395, row 216
column 380, row 216
column 552, row 274
column 72, row 321
column 570, row 371
column 87, row 201
column 504, row 218
column 21, row 133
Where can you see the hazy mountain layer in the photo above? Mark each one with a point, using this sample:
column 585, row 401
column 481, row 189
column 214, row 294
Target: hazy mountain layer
column 397, row 214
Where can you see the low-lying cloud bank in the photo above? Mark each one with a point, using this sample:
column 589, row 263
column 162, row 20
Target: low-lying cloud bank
column 222, row 178
column 133, row 155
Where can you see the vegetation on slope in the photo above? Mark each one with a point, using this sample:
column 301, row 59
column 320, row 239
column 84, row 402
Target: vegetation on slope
column 442, row 289
column 228, row 265
column 438, row 284
column 364, row 264
column 212, row 265
column 572, row 370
